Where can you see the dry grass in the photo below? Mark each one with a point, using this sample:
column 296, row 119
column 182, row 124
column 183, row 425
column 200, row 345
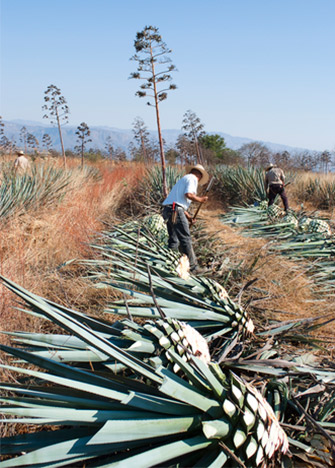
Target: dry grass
column 315, row 191
column 33, row 246
column 282, row 290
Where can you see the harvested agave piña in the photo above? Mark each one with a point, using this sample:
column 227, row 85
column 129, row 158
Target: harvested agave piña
column 156, row 225
column 319, row 226
column 274, row 211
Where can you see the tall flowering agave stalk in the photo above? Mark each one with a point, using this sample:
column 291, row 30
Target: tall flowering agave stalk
column 147, row 416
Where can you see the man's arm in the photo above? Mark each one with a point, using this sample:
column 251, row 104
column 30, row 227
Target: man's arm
column 282, row 177
column 194, row 197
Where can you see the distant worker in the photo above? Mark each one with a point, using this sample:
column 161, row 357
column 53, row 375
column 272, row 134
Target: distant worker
column 175, row 213
column 275, row 183
column 21, row 163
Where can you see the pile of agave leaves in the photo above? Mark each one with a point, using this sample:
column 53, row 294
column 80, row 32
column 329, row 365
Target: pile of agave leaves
column 190, row 383
column 301, row 238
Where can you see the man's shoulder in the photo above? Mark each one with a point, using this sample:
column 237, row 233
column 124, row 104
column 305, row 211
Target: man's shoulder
column 190, row 178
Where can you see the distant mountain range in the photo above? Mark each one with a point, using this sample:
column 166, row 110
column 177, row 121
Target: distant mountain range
column 119, row 138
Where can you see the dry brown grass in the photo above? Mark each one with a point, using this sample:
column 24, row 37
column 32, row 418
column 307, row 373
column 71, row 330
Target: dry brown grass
column 316, row 191
column 33, row 246
column 282, row 290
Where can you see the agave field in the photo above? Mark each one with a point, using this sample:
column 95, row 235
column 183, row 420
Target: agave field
column 175, row 373
column 42, row 186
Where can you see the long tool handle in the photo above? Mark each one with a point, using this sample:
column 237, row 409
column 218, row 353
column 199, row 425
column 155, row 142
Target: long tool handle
column 206, row 191
column 197, row 211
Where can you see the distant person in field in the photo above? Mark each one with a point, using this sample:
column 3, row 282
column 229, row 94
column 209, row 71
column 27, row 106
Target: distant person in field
column 21, row 163
column 275, row 185
column 175, row 212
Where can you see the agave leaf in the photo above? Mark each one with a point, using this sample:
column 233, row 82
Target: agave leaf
column 101, row 344
column 149, row 428
column 65, row 452
column 63, row 396
column 68, row 382
column 71, row 416
column 158, row 404
column 182, row 392
column 32, row 441
column 161, row 454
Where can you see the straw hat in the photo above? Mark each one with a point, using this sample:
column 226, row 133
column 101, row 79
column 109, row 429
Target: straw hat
column 270, row 166
column 205, row 177
column 20, row 153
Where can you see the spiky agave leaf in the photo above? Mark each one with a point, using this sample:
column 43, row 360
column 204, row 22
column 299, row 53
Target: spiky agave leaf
column 44, row 184
column 153, row 418
column 239, row 184
column 127, row 252
column 310, row 239
column 152, row 184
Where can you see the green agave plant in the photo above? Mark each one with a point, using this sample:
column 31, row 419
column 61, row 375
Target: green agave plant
column 320, row 192
column 147, row 416
column 42, row 186
column 240, row 185
column 151, row 188
column 126, row 255
column 123, row 394
column 293, row 235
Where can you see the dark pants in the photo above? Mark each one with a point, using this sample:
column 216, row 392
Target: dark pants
column 277, row 189
column 179, row 234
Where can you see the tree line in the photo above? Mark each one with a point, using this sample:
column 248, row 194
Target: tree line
column 194, row 145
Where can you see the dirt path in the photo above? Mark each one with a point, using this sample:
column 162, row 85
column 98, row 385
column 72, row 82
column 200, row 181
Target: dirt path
column 282, row 290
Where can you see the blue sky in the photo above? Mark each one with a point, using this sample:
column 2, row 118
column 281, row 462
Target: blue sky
column 262, row 69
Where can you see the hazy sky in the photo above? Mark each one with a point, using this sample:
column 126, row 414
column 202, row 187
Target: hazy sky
column 263, row 69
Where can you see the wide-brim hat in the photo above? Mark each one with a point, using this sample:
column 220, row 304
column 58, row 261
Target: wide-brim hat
column 270, row 166
column 20, row 153
column 205, row 177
